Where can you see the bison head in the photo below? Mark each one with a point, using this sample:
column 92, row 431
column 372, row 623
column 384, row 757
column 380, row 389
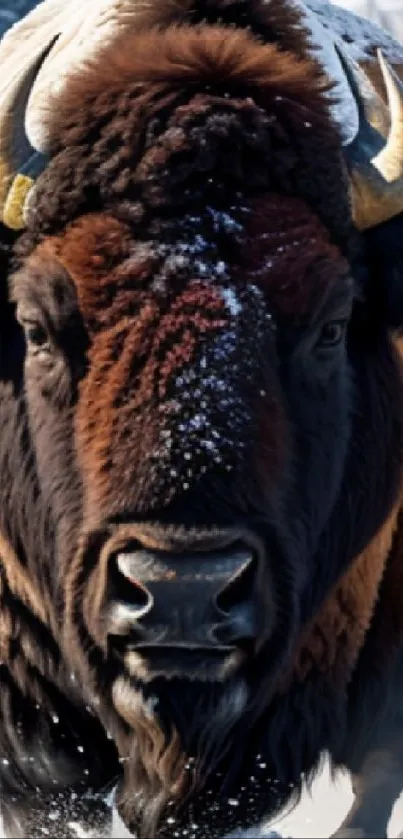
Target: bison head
column 210, row 387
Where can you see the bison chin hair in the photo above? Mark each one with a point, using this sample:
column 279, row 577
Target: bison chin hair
column 179, row 734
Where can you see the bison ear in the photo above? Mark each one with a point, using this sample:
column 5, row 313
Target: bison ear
column 384, row 252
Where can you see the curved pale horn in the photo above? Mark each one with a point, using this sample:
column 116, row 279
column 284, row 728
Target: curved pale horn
column 20, row 163
column 37, row 55
column 389, row 161
column 23, row 49
column 372, row 110
column 375, row 158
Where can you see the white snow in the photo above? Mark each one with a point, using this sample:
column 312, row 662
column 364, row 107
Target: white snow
column 318, row 815
column 231, row 301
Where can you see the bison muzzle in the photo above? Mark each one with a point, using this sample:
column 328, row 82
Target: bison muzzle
column 188, row 600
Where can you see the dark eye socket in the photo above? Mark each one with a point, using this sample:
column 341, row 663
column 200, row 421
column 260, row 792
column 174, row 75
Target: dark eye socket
column 332, row 334
column 36, row 336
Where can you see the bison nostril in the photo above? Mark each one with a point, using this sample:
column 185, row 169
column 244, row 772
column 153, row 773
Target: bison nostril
column 182, row 599
column 127, row 588
column 238, row 589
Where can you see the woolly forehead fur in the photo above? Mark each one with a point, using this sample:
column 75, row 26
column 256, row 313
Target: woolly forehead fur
column 254, row 47
column 251, row 55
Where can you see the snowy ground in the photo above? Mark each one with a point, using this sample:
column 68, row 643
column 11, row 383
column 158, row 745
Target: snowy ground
column 317, row 816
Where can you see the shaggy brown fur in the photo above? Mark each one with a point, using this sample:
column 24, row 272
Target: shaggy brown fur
column 333, row 641
column 140, row 342
column 155, row 92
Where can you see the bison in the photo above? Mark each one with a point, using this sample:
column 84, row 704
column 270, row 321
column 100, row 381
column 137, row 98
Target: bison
column 201, row 413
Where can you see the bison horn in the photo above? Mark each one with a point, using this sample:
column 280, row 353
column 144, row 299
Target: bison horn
column 33, row 66
column 20, row 163
column 390, row 160
column 24, row 50
column 375, row 157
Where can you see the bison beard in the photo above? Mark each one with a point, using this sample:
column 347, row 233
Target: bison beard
column 182, row 735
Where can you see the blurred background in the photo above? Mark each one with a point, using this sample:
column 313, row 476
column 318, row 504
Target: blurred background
column 387, row 13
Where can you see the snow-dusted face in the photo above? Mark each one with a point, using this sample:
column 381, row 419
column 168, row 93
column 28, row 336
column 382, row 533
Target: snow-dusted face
column 205, row 374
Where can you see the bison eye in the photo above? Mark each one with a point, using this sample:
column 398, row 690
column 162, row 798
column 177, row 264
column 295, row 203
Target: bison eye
column 36, row 336
column 332, row 334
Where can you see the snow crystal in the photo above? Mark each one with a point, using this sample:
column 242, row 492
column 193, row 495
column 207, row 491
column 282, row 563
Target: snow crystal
column 209, row 391
column 224, row 221
column 79, row 831
column 231, row 301
column 220, row 268
column 193, row 254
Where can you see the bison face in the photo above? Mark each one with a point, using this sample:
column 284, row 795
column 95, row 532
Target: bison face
column 210, row 388
column 197, row 392
column 197, row 406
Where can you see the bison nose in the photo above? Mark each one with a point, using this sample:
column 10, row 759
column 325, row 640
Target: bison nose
column 191, row 600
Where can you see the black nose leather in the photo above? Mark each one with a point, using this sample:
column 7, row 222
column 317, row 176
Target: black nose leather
column 192, row 600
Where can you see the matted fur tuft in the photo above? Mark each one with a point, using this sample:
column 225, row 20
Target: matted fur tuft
column 155, row 97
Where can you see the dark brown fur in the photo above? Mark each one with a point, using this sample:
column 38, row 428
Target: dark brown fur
column 170, row 67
